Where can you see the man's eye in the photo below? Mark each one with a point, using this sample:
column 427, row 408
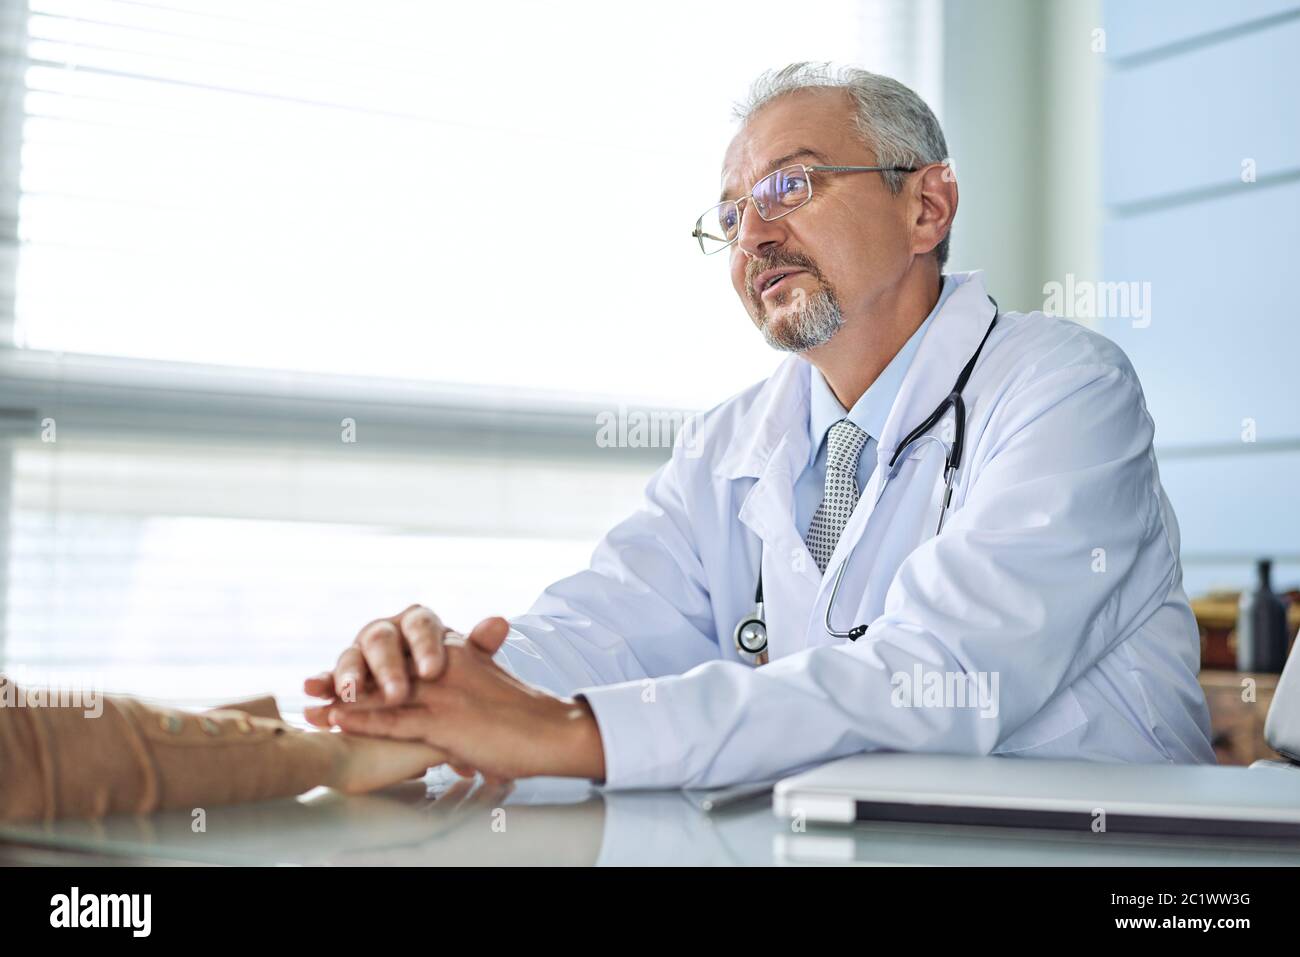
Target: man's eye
column 793, row 184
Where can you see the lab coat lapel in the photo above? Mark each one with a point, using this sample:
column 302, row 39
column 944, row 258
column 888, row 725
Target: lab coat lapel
column 771, row 444
column 947, row 347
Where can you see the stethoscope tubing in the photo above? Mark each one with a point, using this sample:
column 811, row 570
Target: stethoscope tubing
column 952, row 462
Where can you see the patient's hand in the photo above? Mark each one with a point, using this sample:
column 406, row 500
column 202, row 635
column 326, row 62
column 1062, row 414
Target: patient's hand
column 484, row 718
column 366, row 764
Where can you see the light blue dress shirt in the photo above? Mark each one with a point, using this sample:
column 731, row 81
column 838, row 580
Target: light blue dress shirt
column 869, row 414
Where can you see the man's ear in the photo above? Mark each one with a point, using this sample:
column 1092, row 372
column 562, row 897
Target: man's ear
column 935, row 203
column 490, row 634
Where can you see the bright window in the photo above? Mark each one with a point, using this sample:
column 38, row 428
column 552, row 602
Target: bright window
column 495, row 193
column 415, row 204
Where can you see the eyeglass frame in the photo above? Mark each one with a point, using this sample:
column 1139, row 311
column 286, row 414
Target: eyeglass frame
column 698, row 235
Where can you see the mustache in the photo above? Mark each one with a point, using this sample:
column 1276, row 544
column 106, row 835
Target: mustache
column 795, row 261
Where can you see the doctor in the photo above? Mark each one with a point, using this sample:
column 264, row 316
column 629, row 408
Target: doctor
column 1045, row 618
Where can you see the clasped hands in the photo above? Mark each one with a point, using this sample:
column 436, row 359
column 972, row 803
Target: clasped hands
column 411, row 678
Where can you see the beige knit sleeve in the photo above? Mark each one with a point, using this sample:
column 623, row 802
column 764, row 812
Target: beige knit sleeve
column 136, row 758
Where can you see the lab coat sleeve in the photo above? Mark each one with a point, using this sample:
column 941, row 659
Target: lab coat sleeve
column 1014, row 590
column 640, row 610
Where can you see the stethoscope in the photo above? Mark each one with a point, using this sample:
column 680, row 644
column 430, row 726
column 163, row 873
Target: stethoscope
column 751, row 631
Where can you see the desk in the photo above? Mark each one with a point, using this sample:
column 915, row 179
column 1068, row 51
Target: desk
column 564, row 822
column 1237, row 718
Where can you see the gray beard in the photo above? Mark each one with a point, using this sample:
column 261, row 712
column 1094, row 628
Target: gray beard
column 805, row 328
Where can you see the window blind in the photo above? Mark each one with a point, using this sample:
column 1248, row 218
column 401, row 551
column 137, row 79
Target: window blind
column 490, row 201
column 195, row 573
column 495, row 193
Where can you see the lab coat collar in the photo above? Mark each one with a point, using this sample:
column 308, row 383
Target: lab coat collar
column 871, row 411
column 948, row 344
column 779, row 409
column 783, row 402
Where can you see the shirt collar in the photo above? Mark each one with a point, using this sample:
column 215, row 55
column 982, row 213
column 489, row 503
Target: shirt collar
column 871, row 411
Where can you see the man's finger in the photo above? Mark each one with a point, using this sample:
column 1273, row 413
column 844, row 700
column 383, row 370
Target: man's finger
column 318, row 715
column 424, row 633
column 349, row 673
column 405, row 724
column 490, row 634
column 320, row 686
column 367, row 700
column 385, row 656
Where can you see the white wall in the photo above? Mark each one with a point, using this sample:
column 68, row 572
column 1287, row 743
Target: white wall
column 1021, row 88
column 1193, row 90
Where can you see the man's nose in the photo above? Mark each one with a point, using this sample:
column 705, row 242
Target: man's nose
column 757, row 236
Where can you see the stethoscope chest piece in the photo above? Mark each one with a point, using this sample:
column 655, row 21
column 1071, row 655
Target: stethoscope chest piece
column 751, row 633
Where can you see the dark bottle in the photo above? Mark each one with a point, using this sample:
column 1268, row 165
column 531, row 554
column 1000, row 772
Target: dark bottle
column 1261, row 627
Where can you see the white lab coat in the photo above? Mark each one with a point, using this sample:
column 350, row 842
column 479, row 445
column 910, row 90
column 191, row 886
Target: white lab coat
column 1057, row 571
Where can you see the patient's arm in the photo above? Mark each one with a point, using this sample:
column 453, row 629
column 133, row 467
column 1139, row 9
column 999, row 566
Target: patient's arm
column 135, row 758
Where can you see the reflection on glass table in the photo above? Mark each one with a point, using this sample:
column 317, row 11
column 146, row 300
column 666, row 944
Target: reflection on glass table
column 445, row 820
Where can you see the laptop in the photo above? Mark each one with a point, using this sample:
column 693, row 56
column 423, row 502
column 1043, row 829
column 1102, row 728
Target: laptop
column 1201, row 800
column 1197, row 800
column 1282, row 726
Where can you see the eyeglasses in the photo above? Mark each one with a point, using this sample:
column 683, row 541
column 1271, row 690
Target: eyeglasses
column 775, row 195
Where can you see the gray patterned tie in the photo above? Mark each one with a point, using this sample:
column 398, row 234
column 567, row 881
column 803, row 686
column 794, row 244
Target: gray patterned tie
column 844, row 445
